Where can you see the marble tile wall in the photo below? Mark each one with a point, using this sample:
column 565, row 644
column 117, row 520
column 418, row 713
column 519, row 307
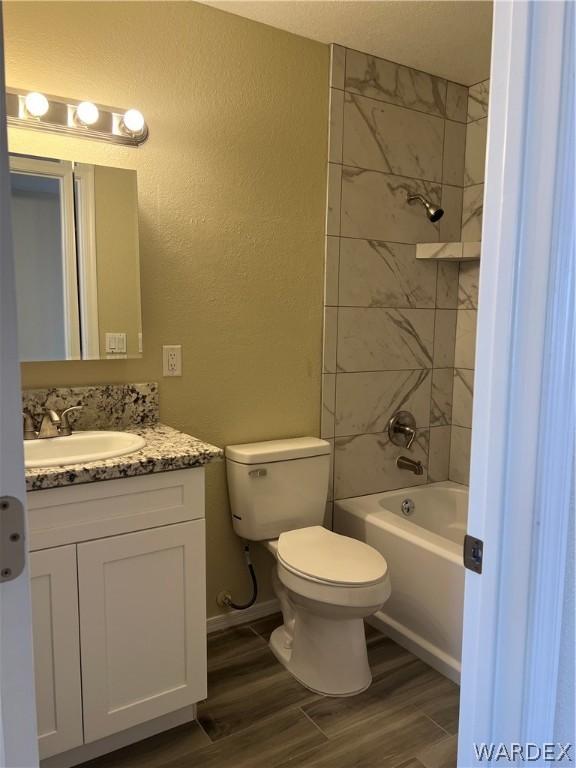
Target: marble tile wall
column 392, row 323
column 463, row 386
column 399, row 333
column 475, row 157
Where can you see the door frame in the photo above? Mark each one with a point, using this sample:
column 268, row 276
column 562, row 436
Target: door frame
column 523, row 420
column 18, row 741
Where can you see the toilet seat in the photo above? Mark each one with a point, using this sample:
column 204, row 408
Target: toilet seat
column 368, row 598
column 328, row 558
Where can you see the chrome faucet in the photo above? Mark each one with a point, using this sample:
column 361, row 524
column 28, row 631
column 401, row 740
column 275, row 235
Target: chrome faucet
column 29, row 428
column 50, row 425
column 404, row 462
column 65, row 428
column 53, row 424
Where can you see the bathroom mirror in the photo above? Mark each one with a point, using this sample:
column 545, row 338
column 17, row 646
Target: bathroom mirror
column 75, row 229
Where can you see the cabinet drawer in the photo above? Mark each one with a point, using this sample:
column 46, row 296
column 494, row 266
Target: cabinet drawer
column 142, row 626
column 61, row 516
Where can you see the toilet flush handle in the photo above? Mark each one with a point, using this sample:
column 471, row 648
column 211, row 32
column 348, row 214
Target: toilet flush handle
column 260, row 472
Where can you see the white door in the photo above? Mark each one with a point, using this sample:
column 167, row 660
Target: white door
column 142, row 626
column 18, row 746
column 522, row 469
column 56, row 649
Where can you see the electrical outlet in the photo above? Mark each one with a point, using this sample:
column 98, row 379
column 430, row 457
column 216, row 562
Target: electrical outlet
column 172, row 360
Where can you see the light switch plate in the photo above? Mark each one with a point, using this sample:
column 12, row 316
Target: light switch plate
column 172, row 360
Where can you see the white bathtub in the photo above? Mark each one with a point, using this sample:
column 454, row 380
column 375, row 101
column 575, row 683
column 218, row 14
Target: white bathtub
column 424, row 555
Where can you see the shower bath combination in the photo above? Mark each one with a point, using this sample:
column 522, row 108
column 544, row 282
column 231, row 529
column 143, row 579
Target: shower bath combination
column 434, row 212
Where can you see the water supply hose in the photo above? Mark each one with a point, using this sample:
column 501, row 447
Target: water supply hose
column 226, row 598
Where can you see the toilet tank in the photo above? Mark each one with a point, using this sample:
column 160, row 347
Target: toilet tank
column 277, row 486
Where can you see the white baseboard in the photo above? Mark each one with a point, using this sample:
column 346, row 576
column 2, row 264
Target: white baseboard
column 233, row 618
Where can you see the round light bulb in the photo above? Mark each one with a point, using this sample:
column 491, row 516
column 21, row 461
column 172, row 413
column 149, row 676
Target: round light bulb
column 36, row 104
column 133, row 121
column 87, row 113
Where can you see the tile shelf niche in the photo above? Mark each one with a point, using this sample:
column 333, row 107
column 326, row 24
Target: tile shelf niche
column 448, row 251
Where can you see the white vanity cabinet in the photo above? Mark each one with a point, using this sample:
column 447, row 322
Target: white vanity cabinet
column 119, row 614
column 142, row 653
column 53, row 582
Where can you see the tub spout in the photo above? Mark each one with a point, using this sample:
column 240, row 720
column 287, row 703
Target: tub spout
column 404, row 462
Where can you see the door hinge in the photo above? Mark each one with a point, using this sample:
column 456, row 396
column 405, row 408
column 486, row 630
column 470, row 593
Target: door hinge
column 12, row 543
column 473, row 553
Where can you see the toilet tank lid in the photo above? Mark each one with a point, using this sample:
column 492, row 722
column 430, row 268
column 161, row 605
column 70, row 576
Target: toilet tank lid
column 277, row 450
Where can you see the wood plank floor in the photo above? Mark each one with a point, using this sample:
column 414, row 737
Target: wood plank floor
column 258, row 716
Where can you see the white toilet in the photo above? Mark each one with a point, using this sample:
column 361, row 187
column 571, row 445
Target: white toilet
column 326, row 583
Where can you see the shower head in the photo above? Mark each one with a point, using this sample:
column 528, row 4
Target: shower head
column 434, row 212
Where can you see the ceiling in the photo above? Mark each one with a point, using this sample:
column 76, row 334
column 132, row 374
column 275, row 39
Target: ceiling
column 449, row 38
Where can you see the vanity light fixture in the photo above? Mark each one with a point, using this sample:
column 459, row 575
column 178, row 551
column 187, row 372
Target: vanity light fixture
column 37, row 111
column 133, row 122
column 87, row 113
column 36, row 104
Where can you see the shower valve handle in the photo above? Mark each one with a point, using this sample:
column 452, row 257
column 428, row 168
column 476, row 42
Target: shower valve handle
column 402, row 429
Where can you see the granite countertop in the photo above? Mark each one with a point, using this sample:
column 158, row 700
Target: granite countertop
column 166, row 449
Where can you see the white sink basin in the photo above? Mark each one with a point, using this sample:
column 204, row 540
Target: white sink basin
column 80, row 448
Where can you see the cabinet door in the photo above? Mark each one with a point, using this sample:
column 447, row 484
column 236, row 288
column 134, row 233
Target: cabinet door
column 142, row 626
column 54, row 588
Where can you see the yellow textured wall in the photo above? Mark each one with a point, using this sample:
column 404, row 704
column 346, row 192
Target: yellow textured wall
column 231, row 185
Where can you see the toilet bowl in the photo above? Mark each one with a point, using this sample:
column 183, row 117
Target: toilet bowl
column 326, row 583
